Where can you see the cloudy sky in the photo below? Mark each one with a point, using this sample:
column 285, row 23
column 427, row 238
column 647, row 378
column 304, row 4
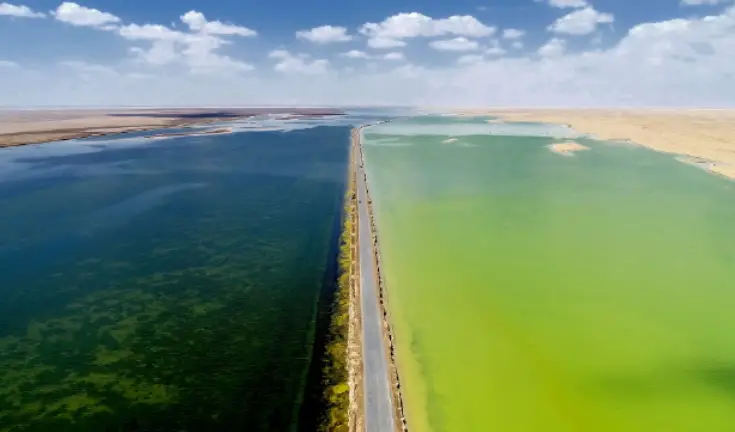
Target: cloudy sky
column 380, row 52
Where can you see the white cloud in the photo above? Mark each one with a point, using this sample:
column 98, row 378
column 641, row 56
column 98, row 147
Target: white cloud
column 394, row 56
column 414, row 24
column 324, row 35
column 456, row 44
column 160, row 53
column 19, row 11
column 568, row 3
column 495, row 51
column 469, row 59
column 355, row 54
column 512, row 33
column 517, row 44
column 8, row 64
column 298, row 63
column 581, row 22
column 87, row 68
column 703, row 2
column 385, row 43
column 152, row 32
column 196, row 21
column 279, row 54
column 553, row 48
column 681, row 62
column 72, row 13
column 197, row 51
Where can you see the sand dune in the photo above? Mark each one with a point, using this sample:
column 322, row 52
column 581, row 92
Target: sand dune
column 708, row 135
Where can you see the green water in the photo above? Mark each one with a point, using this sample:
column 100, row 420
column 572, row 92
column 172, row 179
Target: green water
column 532, row 291
column 167, row 285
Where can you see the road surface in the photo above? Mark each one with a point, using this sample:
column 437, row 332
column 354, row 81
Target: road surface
column 379, row 412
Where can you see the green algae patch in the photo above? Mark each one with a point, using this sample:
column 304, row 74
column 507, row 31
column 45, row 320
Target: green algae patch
column 125, row 306
column 532, row 292
column 335, row 369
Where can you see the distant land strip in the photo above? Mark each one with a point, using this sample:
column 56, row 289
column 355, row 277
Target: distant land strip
column 20, row 127
column 704, row 136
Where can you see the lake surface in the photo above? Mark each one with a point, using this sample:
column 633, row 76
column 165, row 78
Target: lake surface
column 166, row 284
column 532, row 291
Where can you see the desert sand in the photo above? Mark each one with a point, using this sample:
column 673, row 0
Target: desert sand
column 706, row 135
column 567, row 148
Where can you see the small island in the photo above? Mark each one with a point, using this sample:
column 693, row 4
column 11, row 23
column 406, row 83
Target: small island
column 567, row 148
column 218, row 131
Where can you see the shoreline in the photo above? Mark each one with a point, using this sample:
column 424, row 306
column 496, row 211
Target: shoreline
column 219, row 131
column 389, row 336
column 338, row 372
column 702, row 135
column 18, row 128
column 43, row 137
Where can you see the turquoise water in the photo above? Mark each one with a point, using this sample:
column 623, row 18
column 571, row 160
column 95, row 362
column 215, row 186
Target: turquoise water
column 165, row 284
column 532, row 291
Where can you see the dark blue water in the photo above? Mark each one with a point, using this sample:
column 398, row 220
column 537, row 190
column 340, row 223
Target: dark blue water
column 164, row 285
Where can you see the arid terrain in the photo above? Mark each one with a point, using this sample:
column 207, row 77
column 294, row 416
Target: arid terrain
column 706, row 135
column 19, row 127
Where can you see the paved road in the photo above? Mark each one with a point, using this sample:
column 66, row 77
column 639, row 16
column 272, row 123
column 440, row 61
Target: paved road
column 379, row 412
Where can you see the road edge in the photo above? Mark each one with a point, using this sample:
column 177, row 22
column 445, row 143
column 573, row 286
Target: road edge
column 356, row 412
column 388, row 334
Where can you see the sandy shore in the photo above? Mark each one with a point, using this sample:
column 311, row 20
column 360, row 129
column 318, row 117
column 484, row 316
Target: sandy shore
column 567, row 148
column 19, row 127
column 706, row 135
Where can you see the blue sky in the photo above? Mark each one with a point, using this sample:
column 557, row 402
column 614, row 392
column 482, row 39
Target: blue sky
column 433, row 52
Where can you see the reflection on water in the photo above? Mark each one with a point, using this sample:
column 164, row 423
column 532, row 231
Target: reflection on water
column 164, row 285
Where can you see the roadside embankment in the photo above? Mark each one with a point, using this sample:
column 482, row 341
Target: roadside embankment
column 342, row 353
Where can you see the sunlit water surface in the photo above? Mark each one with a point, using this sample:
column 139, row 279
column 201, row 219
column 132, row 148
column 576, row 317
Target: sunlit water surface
column 532, row 291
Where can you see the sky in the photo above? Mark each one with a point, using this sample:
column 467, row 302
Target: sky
column 436, row 53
